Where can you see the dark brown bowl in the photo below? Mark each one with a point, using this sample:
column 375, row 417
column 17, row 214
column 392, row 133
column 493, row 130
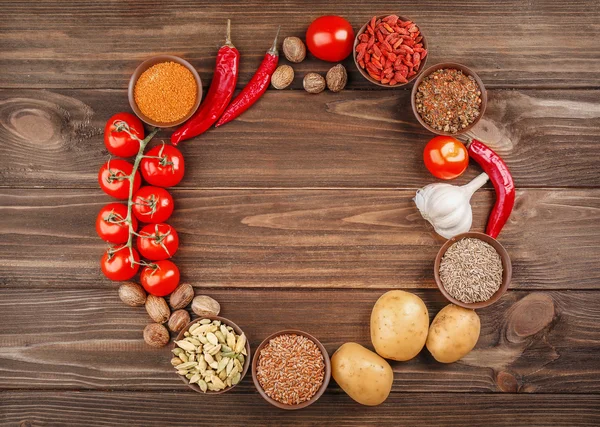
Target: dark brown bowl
column 318, row 394
column 506, row 269
column 237, row 330
column 467, row 71
column 371, row 79
column 149, row 63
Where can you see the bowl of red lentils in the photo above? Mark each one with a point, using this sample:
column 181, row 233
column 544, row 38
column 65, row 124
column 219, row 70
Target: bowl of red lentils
column 448, row 99
column 291, row 369
column 165, row 91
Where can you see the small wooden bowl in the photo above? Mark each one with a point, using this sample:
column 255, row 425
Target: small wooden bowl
column 326, row 378
column 149, row 63
column 506, row 269
column 467, row 71
column 364, row 72
column 237, row 330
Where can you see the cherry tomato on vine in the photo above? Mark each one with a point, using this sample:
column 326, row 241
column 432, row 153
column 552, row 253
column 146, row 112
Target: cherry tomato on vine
column 330, row 38
column 162, row 166
column 116, row 263
column 160, row 278
column 113, row 178
column 152, row 204
column 118, row 140
column 111, row 225
column 446, row 157
column 157, row 241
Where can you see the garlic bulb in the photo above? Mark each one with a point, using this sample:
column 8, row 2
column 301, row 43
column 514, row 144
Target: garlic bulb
column 447, row 207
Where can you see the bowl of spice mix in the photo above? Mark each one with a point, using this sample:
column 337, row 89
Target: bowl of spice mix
column 448, row 99
column 165, row 91
column 291, row 369
column 472, row 270
column 211, row 355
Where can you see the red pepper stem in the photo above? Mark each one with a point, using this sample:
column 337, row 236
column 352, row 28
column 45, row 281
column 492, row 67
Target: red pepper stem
column 228, row 34
column 273, row 50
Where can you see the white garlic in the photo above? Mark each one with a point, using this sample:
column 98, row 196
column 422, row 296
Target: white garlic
column 447, row 207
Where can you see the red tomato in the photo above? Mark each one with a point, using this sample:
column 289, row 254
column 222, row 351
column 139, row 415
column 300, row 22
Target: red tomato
column 160, row 278
column 111, row 225
column 117, row 265
column 113, row 181
column 157, row 241
column 116, row 138
column 152, row 204
column 446, row 157
column 330, row 38
column 165, row 168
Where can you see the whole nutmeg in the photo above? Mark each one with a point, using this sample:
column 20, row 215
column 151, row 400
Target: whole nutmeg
column 314, row 83
column 204, row 305
column 156, row 335
column 336, row 77
column 282, row 77
column 132, row 294
column 294, row 50
column 181, row 296
column 157, row 309
column 178, row 320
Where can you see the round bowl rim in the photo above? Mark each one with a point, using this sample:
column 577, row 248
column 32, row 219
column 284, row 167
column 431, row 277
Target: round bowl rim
column 506, row 269
column 157, row 59
column 367, row 76
column 465, row 70
column 237, row 329
column 326, row 377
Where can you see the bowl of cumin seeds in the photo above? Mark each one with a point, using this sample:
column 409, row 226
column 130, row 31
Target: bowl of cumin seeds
column 472, row 270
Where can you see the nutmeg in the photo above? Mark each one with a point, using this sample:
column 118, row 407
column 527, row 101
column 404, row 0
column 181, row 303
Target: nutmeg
column 314, row 83
column 132, row 294
column 336, row 77
column 178, row 320
column 156, row 335
column 282, row 77
column 157, row 309
column 204, row 305
column 294, row 49
column 182, row 296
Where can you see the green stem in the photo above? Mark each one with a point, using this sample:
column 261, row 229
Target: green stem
column 131, row 178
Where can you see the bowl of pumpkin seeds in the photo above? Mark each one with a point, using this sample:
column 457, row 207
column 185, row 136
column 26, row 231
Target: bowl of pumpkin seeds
column 211, row 354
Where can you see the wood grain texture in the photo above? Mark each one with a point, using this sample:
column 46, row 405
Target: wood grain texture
column 294, row 139
column 184, row 409
column 88, row 339
column 300, row 238
column 80, row 44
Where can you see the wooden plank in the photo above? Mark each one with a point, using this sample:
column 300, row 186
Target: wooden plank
column 160, row 409
column 293, row 139
column 88, row 339
column 75, row 44
column 300, row 238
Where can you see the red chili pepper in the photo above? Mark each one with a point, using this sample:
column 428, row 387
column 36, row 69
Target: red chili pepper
column 255, row 87
column 218, row 97
column 494, row 166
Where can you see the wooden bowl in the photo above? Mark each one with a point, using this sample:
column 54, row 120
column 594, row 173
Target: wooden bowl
column 364, row 72
column 506, row 269
column 237, row 330
column 467, row 71
column 149, row 63
column 326, row 378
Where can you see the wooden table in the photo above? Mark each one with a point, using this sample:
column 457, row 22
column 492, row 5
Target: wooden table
column 299, row 214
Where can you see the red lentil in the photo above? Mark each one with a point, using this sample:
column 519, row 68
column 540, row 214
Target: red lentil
column 291, row 369
column 448, row 100
column 166, row 92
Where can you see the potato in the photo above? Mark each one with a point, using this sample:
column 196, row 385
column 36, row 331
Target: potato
column 362, row 374
column 453, row 333
column 399, row 324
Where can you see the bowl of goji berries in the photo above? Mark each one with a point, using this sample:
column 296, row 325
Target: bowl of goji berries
column 390, row 50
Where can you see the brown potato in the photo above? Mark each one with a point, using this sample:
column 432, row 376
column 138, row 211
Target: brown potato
column 453, row 333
